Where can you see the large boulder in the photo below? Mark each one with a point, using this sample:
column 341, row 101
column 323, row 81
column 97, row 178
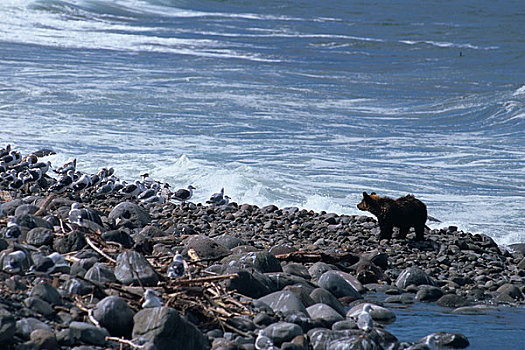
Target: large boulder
column 167, row 330
column 205, row 247
column 338, row 285
column 284, row 301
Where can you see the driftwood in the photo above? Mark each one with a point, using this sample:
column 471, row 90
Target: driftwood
column 312, row 257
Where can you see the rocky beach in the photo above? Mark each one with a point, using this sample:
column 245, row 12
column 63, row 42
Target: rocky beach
column 88, row 262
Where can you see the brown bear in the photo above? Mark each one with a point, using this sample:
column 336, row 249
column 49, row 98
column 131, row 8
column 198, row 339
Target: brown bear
column 404, row 213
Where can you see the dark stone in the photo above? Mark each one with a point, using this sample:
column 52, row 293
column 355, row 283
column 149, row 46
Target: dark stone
column 100, row 273
column 47, row 292
column 8, row 208
column 205, row 247
column 26, row 209
column 252, row 284
column 228, row 241
column 415, row 276
column 452, row 300
column 118, row 236
column 40, row 306
column 429, row 293
column 319, row 268
column 30, row 221
column 260, row 261
column 129, row 215
column 72, row 241
column 115, row 315
column 338, row 285
column 7, row 326
column 88, row 333
column 25, row 326
column 40, row 236
column 512, row 291
column 282, row 331
column 285, row 302
column 132, row 266
column 321, row 295
column 448, row 340
column 44, row 339
column 325, row 314
column 297, row 270
column 167, row 330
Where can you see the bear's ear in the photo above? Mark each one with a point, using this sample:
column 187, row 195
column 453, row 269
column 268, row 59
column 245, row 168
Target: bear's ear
column 373, row 194
column 365, row 194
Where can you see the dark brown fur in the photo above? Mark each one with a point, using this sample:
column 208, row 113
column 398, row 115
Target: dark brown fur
column 404, row 213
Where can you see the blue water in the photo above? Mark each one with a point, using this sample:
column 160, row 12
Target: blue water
column 305, row 103
column 502, row 328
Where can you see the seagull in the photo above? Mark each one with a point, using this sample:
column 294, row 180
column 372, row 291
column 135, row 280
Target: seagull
column 12, row 230
column 50, row 263
column 107, row 187
column 43, row 166
column 5, row 151
column 262, row 342
column 216, row 197
column 364, row 320
column 17, row 183
column 176, row 268
column 224, row 201
column 68, row 166
column 84, row 217
column 131, row 190
column 64, row 182
column 183, row 194
column 82, row 183
column 12, row 158
column 152, row 298
column 13, row 262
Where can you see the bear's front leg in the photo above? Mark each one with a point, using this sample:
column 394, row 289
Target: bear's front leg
column 386, row 231
column 420, row 231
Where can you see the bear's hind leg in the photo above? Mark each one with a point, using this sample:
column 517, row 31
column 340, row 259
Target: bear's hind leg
column 420, row 231
column 403, row 231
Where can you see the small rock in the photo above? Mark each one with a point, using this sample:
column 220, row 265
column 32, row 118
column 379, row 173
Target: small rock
column 415, row 276
column 284, row 301
column 132, row 266
column 338, row 285
column 47, row 292
column 252, row 284
column 44, row 339
column 40, row 236
column 512, row 291
column 205, row 247
column 324, row 313
column 448, row 340
column 88, row 333
column 100, row 273
column 321, row 295
column 452, row 300
column 429, row 293
column 25, row 326
column 7, row 326
column 282, row 331
column 130, row 215
column 40, row 306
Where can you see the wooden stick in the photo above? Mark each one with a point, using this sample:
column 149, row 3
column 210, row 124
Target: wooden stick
column 44, row 205
column 98, row 250
column 125, row 341
column 204, row 279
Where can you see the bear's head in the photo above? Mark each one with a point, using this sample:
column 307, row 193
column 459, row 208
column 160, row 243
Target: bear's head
column 368, row 202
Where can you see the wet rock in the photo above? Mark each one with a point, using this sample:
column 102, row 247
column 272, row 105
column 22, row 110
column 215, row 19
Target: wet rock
column 115, row 315
column 40, row 236
column 281, row 280
column 132, row 266
column 167, row 330
column 400, row 299
column 88, row 333
column 452, row 301
column 415, row 276
column 26, row 209
column 321, row 295
column 344, row 324
column 319, row 268
column 28, row 222
column 428, row 293
column 282, row 249
column 338, row 285
column 205, row 247
column 474, row 310
column 448, row 340
column 285, row 302
column 511, row 291
column 324, row 313
column 282, row 331
column 129, row 215
column 7, row 326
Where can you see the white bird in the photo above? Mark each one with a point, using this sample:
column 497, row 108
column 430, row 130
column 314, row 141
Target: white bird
column 183, row 194
column 14, row 262
column 364, row 320
column 72, row 165
column 263, row 342
column 12, row 230
column 152, row 298
column 82, row 183
column 84, row 217
column 176, row 268
column 131, row 190
column 216, row 198
column 224, row 201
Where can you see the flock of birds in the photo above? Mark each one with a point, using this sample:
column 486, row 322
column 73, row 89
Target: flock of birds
column 19, row 172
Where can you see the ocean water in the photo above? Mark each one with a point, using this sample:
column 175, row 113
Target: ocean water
column 295, row 103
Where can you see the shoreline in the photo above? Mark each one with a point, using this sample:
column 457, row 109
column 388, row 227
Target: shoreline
column 297, row 274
